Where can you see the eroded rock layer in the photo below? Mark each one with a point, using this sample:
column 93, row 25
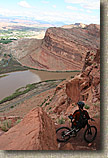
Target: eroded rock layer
column 61, row 49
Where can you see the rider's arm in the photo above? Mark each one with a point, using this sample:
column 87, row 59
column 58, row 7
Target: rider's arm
column 71, row 117
column 87, row 115
column 74, row 115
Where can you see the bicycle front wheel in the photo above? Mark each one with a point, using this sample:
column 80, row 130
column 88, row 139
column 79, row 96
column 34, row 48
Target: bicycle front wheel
column 63, row 134
column 90, row 134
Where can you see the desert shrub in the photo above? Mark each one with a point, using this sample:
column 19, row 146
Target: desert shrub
column 50, row 108
column 18, row 121
column 97, row 104
column 12, row 106
column 6, row 125
column 5, row 41
column 86, row 106
column 97, row 115
column 47, row 104
column 73, row 104
column 61, row 120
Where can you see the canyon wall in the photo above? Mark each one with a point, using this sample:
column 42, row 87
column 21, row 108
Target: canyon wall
column 61, row 49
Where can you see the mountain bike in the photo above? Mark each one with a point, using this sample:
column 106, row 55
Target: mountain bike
column 65, row 133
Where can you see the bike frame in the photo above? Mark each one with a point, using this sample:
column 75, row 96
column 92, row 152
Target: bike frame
column 76, row 130
column 72, row 131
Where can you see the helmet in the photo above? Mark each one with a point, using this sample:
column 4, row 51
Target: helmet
column 81, row 104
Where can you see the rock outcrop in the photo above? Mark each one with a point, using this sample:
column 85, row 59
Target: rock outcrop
column 61, row 49
column 78, row 25
column 86, row 86
column 83, row 87
column 35, row 132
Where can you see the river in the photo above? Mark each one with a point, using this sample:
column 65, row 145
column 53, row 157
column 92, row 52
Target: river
column 14, row 80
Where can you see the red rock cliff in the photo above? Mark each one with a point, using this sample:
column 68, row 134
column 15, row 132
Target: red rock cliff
column 83, row 87
column 61, row 49
column 88, row 82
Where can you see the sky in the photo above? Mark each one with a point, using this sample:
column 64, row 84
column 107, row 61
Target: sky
column 66, row 11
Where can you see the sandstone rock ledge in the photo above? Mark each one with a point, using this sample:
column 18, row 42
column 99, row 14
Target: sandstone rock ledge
column 35, row 132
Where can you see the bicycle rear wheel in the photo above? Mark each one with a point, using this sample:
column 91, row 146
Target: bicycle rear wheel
column 90, row 134
column 63, row 134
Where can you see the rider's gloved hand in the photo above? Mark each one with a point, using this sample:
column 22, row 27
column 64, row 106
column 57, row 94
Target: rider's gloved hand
column 92, row 119
column 70, row 116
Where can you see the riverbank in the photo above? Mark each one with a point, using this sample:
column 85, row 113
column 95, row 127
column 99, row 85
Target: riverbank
column 10, row 65
column 13, row 66
column 18, row 79
column 1, row 76
column 30, row 87
column 58, row 71
column 27, row 92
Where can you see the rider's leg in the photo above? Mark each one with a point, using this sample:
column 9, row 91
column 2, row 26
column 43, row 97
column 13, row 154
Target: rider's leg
column 74, row 129
column 74, row 125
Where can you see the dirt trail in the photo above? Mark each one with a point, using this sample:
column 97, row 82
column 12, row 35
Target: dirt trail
column 78, row 142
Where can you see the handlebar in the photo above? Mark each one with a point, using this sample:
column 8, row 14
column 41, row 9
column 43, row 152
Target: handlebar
column 92, row 119
column 71, row 118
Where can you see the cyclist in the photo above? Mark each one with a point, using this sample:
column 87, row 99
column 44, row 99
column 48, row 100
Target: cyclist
column 80, row 116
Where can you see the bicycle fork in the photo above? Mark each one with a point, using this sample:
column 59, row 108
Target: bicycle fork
column 89, row 130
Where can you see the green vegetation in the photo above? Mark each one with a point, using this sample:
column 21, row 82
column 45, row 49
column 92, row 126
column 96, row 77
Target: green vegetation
column 86, row 106
column 6, row 41
column 10, row 65
column 28, row 88
column 52, row 71
column 13, row 106
column 18, row 93
column 44, row 101
column 92, row 57
column 97, row 104
column 47, row 104
column 5, row 125
column 61, row 120
column 73, row 105
column 20, row 32
column 3, row 76
column 18, row 121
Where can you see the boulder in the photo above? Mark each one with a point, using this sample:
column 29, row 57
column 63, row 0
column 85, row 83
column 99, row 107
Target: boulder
column 72, row 90
column 35, row 132
column 67, row 146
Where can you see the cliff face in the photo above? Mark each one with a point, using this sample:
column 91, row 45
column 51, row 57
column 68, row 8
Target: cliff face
column 88, row 82
column 83, row 87
column 35, row 132
column 61, row 49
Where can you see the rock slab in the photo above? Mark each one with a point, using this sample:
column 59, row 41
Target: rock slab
column 35, row 132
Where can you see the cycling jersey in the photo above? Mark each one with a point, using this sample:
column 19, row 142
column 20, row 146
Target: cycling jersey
column 77, row 114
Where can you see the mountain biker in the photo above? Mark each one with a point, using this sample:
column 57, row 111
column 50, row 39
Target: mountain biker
column 80, row 116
